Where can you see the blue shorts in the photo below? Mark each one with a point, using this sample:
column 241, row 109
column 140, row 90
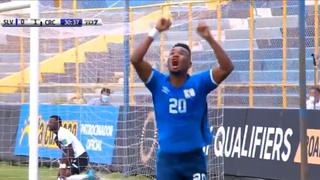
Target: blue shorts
column 182, row 166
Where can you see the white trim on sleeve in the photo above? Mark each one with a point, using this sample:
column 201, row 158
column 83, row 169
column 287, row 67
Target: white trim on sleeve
column 211, row 77
column 150, row 77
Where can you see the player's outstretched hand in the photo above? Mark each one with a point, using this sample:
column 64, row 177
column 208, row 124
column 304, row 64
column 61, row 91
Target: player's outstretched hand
column 204, row 31
column 163, row 24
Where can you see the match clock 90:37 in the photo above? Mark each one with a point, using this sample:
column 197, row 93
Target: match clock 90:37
column 80, row 22
column 71, row 22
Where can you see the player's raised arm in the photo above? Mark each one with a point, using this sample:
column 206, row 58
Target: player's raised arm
column 142, row 67
column 225, row 64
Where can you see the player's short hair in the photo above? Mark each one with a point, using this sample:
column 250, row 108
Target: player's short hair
column 183, row 46
column 314, row 88
column 57, row 118
column 105, row 90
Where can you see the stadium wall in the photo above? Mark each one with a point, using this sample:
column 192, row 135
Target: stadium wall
column 260, row 143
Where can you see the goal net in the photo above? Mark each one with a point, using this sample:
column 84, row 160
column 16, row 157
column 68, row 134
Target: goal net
column 118, row 132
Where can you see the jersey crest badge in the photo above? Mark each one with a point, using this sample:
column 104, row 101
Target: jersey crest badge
column 189, row 93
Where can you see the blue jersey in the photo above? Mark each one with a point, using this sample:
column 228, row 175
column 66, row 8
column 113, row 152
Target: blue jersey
column 181, row 113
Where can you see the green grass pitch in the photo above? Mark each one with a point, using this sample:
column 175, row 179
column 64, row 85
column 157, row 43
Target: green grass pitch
column 9, row 172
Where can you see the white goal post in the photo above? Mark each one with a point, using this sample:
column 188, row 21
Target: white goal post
column 34, row 81
column 14, row 5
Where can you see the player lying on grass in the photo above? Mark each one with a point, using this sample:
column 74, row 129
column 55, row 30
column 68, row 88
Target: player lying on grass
column 180, row 104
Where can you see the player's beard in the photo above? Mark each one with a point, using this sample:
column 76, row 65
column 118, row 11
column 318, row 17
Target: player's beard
column 176, row 73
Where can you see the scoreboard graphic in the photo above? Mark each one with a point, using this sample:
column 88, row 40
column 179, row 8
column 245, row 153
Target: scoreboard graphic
column 50, row 22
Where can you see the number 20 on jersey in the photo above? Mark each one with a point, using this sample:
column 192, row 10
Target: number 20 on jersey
column 177, row 106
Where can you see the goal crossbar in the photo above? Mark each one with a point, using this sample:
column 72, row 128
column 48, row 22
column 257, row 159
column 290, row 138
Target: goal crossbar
column 15, row 5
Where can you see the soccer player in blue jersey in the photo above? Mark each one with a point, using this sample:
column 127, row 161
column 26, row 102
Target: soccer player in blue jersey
column 180, row 104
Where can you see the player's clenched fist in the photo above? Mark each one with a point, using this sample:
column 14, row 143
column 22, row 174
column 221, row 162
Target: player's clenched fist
column 163, row 24
column 203, row 30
